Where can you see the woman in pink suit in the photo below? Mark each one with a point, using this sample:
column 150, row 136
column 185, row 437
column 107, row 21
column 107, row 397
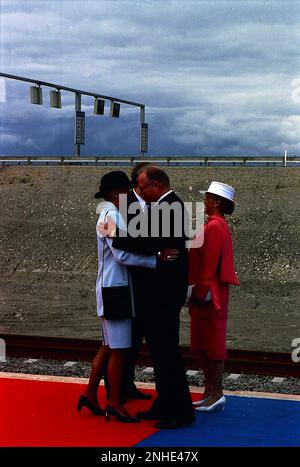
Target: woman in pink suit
column 211, row 270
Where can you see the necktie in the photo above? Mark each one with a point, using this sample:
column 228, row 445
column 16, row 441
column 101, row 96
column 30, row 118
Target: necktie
column 149, row 218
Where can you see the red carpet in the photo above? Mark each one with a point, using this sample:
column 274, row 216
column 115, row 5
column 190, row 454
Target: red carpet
column 43, row 413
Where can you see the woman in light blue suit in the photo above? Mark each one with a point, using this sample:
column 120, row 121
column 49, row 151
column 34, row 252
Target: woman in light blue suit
column 116, row 334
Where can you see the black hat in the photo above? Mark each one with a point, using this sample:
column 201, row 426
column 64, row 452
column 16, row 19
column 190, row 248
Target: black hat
column 112, row 180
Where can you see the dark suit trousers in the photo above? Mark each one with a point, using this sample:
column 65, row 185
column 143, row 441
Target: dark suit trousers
column 161, row 327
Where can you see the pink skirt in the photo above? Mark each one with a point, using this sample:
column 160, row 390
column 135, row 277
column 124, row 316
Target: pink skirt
column 208, row 327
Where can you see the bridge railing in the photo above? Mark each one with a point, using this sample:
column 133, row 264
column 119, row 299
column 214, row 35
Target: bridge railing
column 169, row 161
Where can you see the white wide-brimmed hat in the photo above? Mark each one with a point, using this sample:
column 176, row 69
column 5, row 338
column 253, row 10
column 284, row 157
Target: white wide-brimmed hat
column 221, row 189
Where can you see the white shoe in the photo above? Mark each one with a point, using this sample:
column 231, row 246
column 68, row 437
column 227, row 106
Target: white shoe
column 200, row 402
column 216, row 406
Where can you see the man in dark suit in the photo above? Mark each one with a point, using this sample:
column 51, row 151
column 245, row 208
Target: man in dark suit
column 129, row 389
column 160, row 295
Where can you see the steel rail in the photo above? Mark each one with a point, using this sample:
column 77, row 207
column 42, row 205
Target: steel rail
column 58, row 348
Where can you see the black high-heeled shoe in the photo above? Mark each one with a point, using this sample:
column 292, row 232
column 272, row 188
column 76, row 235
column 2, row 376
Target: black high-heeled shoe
column 109, row 410
column 85, row 402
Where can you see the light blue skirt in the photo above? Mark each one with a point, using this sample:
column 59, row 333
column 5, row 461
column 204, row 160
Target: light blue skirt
column 117, row 334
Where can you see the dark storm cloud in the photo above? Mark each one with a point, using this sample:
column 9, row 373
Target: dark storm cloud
column 217, row 77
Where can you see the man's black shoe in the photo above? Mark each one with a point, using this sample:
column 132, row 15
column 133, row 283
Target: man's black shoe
column 149, row 415
column 173, row 423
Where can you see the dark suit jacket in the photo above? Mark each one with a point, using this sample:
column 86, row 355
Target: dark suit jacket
column 167, row 284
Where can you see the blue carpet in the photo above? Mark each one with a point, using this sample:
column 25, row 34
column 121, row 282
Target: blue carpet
column 246, row 421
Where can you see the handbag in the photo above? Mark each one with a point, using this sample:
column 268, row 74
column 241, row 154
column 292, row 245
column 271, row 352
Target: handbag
column 116, row 300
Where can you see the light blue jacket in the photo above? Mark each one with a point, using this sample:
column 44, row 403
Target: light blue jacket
column 115, row 272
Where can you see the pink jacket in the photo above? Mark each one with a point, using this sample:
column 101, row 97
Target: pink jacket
column 212, row 262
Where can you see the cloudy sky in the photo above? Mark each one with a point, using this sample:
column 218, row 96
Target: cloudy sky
column 218, row 77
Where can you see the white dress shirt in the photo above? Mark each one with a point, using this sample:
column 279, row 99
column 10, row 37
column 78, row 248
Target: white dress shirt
column 140, row 200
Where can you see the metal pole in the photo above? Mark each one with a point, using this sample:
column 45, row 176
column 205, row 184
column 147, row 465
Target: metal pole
column 78, row 94
column 142, row 114
column 285, row 158
column 142, row 120
column 77, row 107
column 66, row 88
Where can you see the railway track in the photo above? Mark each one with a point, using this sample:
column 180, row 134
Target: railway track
column 55, row 348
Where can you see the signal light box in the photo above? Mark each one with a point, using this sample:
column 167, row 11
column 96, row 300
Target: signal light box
column 115, row 110
column 99, row 105
column 36, row 95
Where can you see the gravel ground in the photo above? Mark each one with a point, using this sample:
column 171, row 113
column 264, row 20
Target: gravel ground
column 82, row 370
column 48, row 255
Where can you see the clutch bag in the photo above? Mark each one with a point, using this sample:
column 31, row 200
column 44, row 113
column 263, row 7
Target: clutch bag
column 116, row 302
